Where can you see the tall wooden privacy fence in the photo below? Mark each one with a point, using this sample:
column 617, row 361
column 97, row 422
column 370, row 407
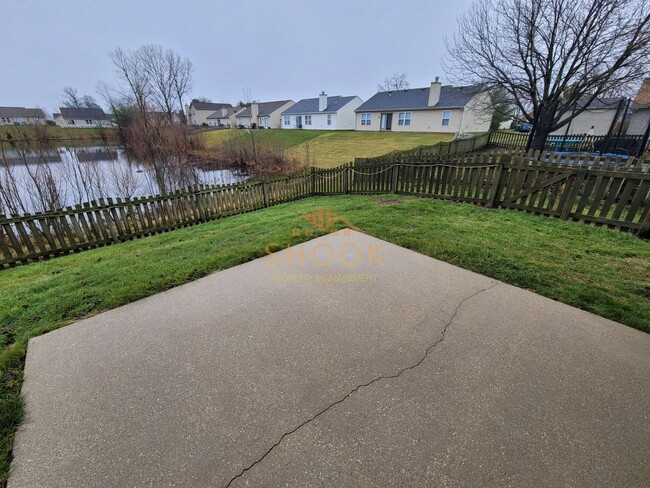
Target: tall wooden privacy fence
column 604, row 191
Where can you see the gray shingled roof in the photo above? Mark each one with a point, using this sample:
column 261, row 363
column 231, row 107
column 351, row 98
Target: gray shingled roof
column 81, row 113
column 264, row 108
column 217, row 114
column 210, row 106
column 600, row 103
column 310, row 105
column 21, row 112
column 418, row 98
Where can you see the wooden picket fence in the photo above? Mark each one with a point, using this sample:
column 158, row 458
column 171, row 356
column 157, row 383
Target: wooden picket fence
column 606, row 191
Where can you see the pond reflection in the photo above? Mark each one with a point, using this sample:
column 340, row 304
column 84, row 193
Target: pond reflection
column 37, row 181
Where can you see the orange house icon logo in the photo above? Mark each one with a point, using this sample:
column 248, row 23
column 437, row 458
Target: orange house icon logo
column 324, row 220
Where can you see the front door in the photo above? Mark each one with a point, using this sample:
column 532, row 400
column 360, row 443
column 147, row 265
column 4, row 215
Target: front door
column 386, row 121
column 299, row 122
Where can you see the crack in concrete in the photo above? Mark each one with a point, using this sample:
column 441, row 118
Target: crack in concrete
column 358, row 387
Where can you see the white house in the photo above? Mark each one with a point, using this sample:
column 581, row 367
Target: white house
column 21, row 116
column 322, row 113
column 436, row 108
column 82, row 117
column 198, row 112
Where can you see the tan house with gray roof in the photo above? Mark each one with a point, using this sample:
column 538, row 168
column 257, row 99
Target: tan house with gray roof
column 198, row 112
column 436, row 108
column 262, row 114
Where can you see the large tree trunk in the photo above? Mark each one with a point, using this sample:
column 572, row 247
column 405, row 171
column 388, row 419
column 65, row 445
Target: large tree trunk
column 542, row 127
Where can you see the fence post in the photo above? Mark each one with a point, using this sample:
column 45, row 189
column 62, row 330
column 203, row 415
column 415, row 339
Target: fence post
column 265, row 192
column 313, row 181
column 644, row 229
column 497, row 184
column 395, row 177
column 573, row 193
column 346, row 177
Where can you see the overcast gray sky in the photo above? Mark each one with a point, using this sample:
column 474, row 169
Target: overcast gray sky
column 278, row 49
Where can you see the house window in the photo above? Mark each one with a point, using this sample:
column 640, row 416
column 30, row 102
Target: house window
column 72, row 122
column 329, row 119
column 446, row 117
column 307, row 119
column 287, row 120
column 88, row 121
column 366, row 119
column 404, row 118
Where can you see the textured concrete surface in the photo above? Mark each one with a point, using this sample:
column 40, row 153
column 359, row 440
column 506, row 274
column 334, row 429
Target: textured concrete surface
column 381, row 368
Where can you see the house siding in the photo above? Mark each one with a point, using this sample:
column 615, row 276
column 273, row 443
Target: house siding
column 22, row 121
column 600, row 119
column 421, row 121
column 639, row 121
column 81, row 123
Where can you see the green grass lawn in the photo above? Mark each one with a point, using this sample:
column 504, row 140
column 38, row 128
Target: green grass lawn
column 326, row 149
column 58, row 136
column 290, row 138
column 597, row 269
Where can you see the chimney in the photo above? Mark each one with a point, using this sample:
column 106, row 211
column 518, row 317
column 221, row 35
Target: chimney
column 322, row 101
column 434, row 92
column 224, row 111
column 255, row 109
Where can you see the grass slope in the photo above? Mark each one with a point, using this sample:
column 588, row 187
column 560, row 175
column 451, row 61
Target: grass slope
column 57, row 134
column 290, row 138
column 597, row 269
column 338, row 147
column 327, row 149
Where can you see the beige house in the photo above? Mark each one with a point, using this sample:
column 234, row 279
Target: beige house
column 453, row 109
column 599, row 115
column 198, row 112
column 262, row 114
column 222, row 117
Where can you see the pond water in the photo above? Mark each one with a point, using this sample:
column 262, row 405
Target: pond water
column 68, row 176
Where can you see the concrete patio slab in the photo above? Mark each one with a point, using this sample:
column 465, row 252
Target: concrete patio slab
column 346, row 361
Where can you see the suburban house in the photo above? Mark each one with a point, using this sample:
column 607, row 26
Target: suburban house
column 600, row 114
column 263, row 114
column 222, row 117
column 21, row 116
column 322, row 113
column 198, row 112
column 82, row 117
column 436, row 108
column 641, row 110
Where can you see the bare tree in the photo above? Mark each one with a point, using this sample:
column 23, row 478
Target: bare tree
column 547, row 55
column 150, row 78
column 133, row 82
column 71, row 98
column 396, row 81
column 170, row 77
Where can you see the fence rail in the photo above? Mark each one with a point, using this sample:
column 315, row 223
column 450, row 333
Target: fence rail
column 607, row 191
